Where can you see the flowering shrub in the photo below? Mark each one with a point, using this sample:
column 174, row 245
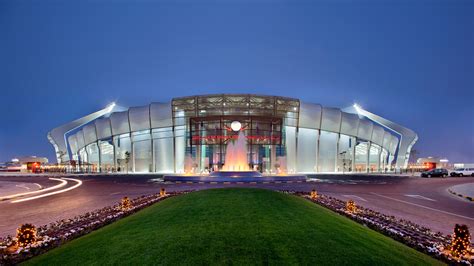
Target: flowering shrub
column 351, row 207
column 125, row 205
column 56, row 233
column 26, row 235
column 460, row 241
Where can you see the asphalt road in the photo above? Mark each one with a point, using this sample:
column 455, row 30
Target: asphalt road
column 423, row 201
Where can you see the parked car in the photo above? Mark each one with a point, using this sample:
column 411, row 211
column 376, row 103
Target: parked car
column 439, row 172
column 463, row 172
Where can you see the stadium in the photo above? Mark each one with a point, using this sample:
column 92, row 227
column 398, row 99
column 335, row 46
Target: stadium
column 192, row 135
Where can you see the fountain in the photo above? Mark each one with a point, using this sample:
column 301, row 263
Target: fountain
column 236, row 167
column 236, row 155
column 236, row 162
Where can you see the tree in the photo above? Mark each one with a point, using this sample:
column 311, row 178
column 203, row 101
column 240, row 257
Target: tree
column 127, row 159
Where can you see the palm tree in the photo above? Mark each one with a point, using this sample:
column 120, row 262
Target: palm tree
column 127, row 159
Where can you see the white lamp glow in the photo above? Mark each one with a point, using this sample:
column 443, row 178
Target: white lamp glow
column 236, row 126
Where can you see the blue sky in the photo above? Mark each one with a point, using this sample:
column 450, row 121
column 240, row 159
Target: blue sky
column 409, row 61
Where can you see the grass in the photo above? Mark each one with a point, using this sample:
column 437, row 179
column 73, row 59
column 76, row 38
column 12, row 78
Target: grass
column 234, row 226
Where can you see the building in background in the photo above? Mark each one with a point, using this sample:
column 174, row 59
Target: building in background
column 191, row 134
column 429, row 163
column 28, row 164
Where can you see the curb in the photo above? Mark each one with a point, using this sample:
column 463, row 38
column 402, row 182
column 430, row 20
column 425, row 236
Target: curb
column 460, row 195
column 235, row 182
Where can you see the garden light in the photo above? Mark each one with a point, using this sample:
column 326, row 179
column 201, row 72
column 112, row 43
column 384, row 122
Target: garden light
column 26, row 235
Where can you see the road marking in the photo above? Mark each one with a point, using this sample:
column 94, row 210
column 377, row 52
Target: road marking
column 419, row 197
column 115, row 193
column 354, row 196
column 79, row 183
column 421, row 206
column 23, row 186
column 62, row 184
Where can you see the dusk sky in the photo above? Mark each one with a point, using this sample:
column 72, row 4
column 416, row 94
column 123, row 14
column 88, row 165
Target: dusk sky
column 411, row 62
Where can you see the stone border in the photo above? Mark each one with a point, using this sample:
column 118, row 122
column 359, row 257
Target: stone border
column 460, row 195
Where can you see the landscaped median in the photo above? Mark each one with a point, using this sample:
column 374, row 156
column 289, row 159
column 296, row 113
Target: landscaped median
column 244, row 226
column 47, row 237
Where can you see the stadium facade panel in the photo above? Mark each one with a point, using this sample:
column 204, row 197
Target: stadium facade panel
column 190, row 134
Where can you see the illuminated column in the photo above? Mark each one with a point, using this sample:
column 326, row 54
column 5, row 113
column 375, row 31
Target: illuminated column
column 272, row 156
column 353, row 155
column 132, row 156
column 153, row 162
column 336, row 164
column 379, row 156
column 367, row 162
column 318, row 166
column 100, row 156
column 87, row 159
column 114, row 150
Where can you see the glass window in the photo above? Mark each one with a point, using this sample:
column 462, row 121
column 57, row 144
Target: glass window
column 141, row 135
column 390, row 164
column 180, row 148
column 361, row 150
column 383, row 160
column 163, row 150
column 346, row 153
column 123, row 153
column 106, row 148
column 83, row 155
column 307, row 150
column 142, row 156
column 93, row 156
column 290, row 139
column 374, row 158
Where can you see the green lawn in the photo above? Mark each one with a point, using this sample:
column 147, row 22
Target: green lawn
column 234, row 226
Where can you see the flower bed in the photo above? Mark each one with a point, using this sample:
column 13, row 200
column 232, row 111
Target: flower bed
column 57, row 233
column 409, row 233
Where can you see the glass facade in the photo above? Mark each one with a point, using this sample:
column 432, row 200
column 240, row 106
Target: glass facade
column 191, row 134
column 307, row 150
column 142, row 152
column 163, row 152
column 123, row 153
column 346, row 153
column 374, row 158
column 327, row 151
column 361, row 156
column 106, row 148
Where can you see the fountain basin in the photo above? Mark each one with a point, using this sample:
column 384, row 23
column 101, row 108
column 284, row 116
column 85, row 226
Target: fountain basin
column 234, row 177
column 235, row 174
